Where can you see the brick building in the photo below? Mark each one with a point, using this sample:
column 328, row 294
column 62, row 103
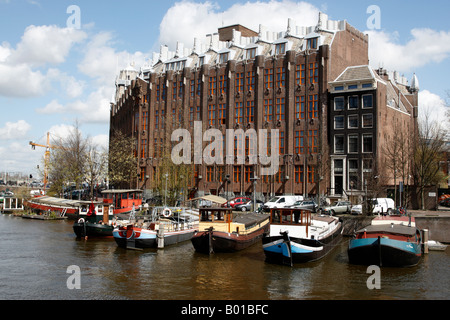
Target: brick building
column 242, row 79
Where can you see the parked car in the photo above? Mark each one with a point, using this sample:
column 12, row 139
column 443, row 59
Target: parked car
column 305, row 204
column 356, row 209
column 379, row 205
column 337, row 207
column 236, row 201
column 247, row 206
column 281, row 202
column 445, row 202
column 383, row 205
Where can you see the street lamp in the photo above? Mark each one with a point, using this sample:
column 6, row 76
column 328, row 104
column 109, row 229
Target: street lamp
column 165, row 193
column 227, row 181
column 254, row 179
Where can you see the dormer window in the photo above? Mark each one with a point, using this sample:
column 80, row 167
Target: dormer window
column 251, row 53
column 224, row 57
column 201, row 61
column 312, row 43
column 280, row 48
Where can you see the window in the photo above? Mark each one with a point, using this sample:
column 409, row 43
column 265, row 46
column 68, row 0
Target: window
column 300, row 107
column 248, row 173
column 339, row 88
column 311, row 174
column 367, row 143
column 353, row 143
column 338, row 144
column 313, row 141
column 314, row 72
column 191, row 117
column 367, row 120
column 222, row 84
column 142, row 175
column 180, row 89
column 312, row 43
column 144, row 121
column 251, row 53
column 192, row 88
column 299, row 142
column 156, row 119
column 212, row 85
column 281, row 77
column 300, row 74
column 298, row 174
column 367, row 101
column 268, row 110
column 223, row 57
column 352, row 87
column 239, row 82
column 209, row 174
column 199, row 87
column 339, row 103
column 251, row 80
column 281, row 133
column 353, row 122
column 268, row 78
column 222, row 115
column 279, row 178
column 238, row 112
column 250, row 111
column 353, row 102
column 212, row 114
column 201, row 61
column 220, row 173
column 144, row 154
column 237, row 173
column 367, row 85
column 339, row 122
column 353, row 176
column 280, row 48
column 157, row 92
column 279, row 108
column 313, row 110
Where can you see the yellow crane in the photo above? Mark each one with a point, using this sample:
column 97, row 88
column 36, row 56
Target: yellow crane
column 47, row 147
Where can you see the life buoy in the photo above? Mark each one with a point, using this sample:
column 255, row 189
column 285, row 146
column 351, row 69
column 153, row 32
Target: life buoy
column 81, row 220
column 167, row 213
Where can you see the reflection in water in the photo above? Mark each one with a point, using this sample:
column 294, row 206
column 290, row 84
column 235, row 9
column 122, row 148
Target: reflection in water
column 36, row 254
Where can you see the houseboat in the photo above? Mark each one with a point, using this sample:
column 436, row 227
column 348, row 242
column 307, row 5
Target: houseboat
column 165, row 226
column 95, row 219
column 63, row 207
column 222, row 230
column 297, row 235
column 391, row 241
column 122, row 200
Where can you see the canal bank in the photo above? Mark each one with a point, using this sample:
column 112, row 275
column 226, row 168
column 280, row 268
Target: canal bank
column 437, row 222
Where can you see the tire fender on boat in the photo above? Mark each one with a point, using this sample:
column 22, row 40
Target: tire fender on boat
column 81, row 220
column 167, row 213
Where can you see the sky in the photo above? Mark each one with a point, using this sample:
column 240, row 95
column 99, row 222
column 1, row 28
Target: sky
column 59, row 59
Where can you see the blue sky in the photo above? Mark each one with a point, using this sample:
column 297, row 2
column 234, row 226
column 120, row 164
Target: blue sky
column 51, row 76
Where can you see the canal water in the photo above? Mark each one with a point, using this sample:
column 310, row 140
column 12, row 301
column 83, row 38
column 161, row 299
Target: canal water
column 35, row 260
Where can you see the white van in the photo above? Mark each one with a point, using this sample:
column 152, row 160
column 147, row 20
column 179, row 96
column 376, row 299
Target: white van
column 281, row 202
column 383, row 205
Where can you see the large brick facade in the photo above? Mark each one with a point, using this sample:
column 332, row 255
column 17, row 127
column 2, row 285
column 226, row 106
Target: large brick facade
column 252, row 80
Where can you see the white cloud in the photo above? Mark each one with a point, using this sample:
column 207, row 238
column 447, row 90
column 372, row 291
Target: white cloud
column 426, row 46
column 434, row 107
column 45, row 44
column 186, row 20
column 101, row 61
column 14, row 130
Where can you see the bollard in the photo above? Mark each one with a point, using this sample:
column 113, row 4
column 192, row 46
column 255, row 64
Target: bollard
column 161, row 237
column 425, row 240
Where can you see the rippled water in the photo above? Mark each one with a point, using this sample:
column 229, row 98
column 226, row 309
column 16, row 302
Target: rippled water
column 35, row 256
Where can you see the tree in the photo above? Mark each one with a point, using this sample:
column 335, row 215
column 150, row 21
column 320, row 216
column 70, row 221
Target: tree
column 67, row 161
column 96, row 161
column 428, row 152
column 122, row 162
